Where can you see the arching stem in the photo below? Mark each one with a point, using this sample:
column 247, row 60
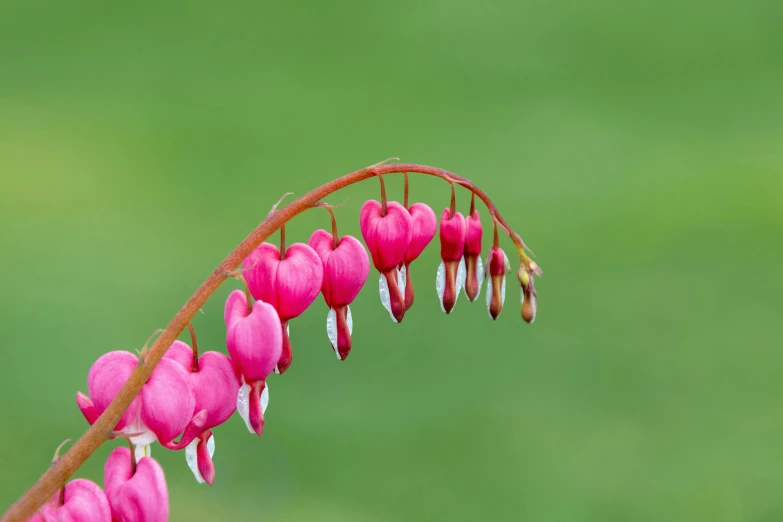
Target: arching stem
column 100, row 431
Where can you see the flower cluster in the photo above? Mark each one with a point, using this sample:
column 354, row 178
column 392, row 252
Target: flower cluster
column 188, row 395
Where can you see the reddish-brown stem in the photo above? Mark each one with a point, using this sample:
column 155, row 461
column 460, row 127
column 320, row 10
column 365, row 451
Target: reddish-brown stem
column 383, row 194
column 56, row 476
column 335, row 237
column 405, row 191
column 496, row 240
column 194, row 345
column 472, row 203
column 282, row 241
column 453, row 205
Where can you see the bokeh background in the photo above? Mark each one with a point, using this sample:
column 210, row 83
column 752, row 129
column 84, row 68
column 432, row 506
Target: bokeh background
column 636, row 146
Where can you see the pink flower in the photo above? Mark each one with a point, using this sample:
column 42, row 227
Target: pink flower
column 255, row 343
column 423, row 225
column 215, row 386
column 473, row 266
column 82, row 501
column 135, row 495
column 346, row 267
column 388, row 232
column 289, row 282
column 451, row 272
column 161, row 411
column 497, row 264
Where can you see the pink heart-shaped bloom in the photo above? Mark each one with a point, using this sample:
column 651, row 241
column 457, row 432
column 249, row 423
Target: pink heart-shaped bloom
column 255, row 343
column 289, row 284
column 388, row 237
column 161, row 411
column 346, row 267
column 474, row 269
column 451, row 273
column 84, row 501
column 424, row 224
column 135, row 497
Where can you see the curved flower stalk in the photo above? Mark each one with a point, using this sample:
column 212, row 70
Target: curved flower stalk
column 288, row 279
column 155, row 398
column 346, row 267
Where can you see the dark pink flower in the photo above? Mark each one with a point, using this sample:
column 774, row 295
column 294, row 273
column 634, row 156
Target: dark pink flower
column 255, row 343
column 216, row 386
column 161, row 411
column 423, row 226
column 82, row 501
column 290, row 283
column 346, row 267
column 135, row 495
column 451, row 272
column 388, row 233
column 497, row 265
column 474, row 269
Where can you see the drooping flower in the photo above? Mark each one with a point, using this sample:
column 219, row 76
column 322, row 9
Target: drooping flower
column 81, row 501
column 290, row 282
column 136, row 491
column 216, row 386
column 497, row 265
column 423, row 225
column 346, row 267
column 473, row 267
column 451, row 272
column 162, row 410
column 255, row 342
column 387, row 229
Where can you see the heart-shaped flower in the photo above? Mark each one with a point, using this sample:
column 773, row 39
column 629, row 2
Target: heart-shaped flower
column 289, row 282
column 346, row 267
column 81, row 501
column 451, row 272
column 497, row 265
column 136, row 493
column 423, row 226
column 474, row 268
column 255, row 342
column 387, row 230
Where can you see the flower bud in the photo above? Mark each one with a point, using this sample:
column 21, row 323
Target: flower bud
column 497, row 264
column 451, row 273
column 388, row 236
column 529, row 305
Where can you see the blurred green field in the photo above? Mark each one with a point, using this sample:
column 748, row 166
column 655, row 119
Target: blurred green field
column 636, row 146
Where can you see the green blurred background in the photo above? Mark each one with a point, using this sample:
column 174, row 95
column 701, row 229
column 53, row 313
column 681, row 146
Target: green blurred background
column 636, row 146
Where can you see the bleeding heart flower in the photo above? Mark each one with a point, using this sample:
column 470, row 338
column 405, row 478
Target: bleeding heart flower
column 473, row 266
column 451, row 272
column 215, row 386
column 346, row 267
column 423, row 225
column 529, row 305
column 387, row 230
column 255, row 343
column 161, row 411
column 289, row 282
column 81, row 501
column 497, row 265
column 136, row 490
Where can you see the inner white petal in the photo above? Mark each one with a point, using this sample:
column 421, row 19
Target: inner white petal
column 479, row 275
column 140, row 451
column 383, row 289
column 243, row 404
column 349, row 320
column 264, row 399
column 440, row 284
column 490, row 291
column 402, row 279
column 331, row 329
column 191, row 457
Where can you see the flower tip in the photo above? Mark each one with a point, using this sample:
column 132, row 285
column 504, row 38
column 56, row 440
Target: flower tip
column 87, row 407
